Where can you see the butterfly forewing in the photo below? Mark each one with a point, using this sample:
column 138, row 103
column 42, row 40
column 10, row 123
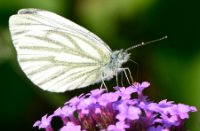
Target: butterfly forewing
column 55, row 53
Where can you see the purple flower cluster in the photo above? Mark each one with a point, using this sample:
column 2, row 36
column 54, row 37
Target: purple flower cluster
column 118, row 111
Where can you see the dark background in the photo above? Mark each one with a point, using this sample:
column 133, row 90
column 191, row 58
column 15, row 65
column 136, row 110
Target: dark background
column 172, row 66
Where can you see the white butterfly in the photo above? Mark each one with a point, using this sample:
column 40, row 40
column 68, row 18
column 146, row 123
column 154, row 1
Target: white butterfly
column 59, row 55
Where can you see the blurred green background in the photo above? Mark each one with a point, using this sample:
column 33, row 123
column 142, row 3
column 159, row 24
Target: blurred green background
column 172, row 66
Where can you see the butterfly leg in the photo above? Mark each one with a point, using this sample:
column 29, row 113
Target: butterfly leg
column 125, row 73
column 137, row 68
column 116, row 76
column 122, row 79
column 129, row 72
column 103, row 84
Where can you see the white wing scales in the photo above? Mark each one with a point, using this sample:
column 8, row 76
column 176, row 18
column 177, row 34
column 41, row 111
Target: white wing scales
column 55, row 53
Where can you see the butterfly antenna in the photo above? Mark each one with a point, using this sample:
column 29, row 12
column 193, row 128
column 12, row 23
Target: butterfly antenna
column 143, row 43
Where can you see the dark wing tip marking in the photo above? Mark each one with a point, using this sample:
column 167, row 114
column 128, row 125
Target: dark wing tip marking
column 28, row 11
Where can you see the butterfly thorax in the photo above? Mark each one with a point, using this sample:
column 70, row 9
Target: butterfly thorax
column 117, row 58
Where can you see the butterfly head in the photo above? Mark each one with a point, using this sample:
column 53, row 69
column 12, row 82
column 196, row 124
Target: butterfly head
column 119, row 57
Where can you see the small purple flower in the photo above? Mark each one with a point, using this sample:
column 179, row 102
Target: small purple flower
column 128, row 112
column 125, row 93
column 182, row 110
column 71, row 127
column 96, row 93
column 169, row 121
column 158, row 128
column 44, row 123
column 139, row 88
column 119, row 126
column 75, row 101
column 117, row 111
column 106, row 98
